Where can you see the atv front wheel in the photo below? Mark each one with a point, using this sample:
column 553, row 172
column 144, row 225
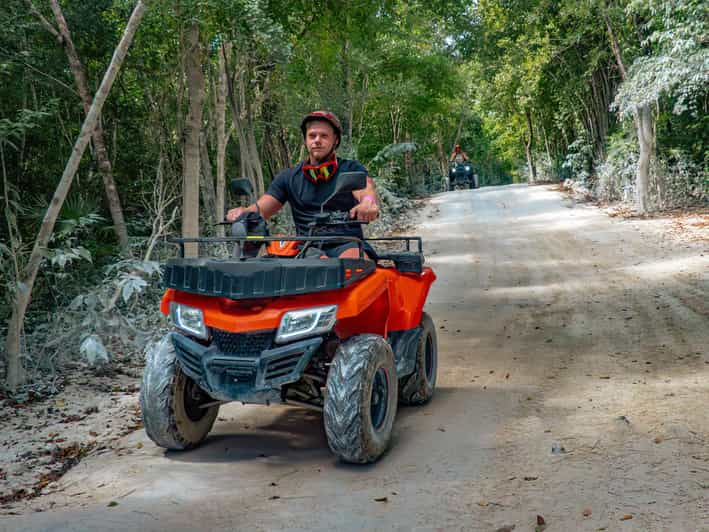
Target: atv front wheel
column 360, row 405
column 417, row 388
column 171, row 403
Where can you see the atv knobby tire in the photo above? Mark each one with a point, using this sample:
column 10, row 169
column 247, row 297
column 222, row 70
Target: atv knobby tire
column 169, row 402
column 417, row 388
column 358, row 422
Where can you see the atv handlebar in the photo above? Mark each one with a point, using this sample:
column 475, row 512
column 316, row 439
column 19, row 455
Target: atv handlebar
column 324, row 219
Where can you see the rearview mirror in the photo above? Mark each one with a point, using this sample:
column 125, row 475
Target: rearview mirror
column 351, row 181
column 347, row 181
column 242, row 187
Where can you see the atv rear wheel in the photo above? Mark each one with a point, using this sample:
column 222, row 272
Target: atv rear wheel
column 360, row 405
column 417, row 388
column 171, row 402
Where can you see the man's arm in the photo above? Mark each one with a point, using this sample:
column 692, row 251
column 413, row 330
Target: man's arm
column 267, row 205
column 368, row 208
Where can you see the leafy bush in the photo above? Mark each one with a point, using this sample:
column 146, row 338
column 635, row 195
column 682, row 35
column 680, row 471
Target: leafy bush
column 110, row 320
column 579, row 158
column 616, row 175
column 677, row 181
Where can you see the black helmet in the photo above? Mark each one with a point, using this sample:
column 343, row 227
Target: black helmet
column 325, row 116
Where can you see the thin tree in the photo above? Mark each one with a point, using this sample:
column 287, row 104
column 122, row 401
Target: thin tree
column 192, row 60
column 242, row 112
column 643, row 125
column 222, row 135
column 23, row 293
column 63, row 38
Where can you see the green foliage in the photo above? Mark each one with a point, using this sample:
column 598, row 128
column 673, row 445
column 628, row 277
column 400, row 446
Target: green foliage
column 579, row 158
column 409, row 80
column 677, row 60
column 616, row 175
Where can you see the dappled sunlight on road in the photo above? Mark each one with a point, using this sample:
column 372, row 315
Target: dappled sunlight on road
column 466, row 258
column 661, row 269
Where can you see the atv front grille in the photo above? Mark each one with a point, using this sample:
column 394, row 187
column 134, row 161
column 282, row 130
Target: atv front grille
column 235, row 370
column 243, row 367
column 246, row 345
column 282, row 366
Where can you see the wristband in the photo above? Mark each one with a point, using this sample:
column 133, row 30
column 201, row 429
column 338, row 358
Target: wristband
column 371, row 198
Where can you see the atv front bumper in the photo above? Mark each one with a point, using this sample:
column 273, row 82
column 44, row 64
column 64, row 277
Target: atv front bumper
column 255, row 378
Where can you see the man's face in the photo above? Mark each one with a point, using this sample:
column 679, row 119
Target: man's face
column 320, row 138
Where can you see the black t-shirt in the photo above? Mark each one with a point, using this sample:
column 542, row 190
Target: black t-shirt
column 305, row 197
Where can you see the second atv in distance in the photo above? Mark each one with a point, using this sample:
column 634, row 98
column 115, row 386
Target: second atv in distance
column 281, row 323
column 462, row 175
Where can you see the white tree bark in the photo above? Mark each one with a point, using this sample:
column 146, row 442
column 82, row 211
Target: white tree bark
column 529, row 147
column 644, row 127
column 23, row 293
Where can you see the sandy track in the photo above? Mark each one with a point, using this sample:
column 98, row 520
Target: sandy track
column 574, row 377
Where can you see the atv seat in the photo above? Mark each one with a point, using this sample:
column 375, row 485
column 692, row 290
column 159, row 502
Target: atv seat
column 404, row 261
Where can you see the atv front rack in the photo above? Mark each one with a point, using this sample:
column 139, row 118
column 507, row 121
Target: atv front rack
column 407, row 240
column 263, row 277
column 260, row 277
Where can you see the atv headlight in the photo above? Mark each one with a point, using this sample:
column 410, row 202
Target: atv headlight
column 467, row 169
column 453, row 171
column 189, row 319
column 306, row 322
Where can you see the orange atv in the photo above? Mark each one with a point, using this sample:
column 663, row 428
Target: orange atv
column 280, row 323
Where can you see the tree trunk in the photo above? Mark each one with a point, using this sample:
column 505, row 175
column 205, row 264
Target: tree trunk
column 222, row 137
column 644, row 123
column 254, row 158
column 207, row 184
column 409, row 162
column 644, row 127
column 101, row 154
column 23, row 292
column 241, row 116
column 529, row 146
column 442, row 159
column 275, row 146
column 347, row 86
column 191, row 151
column 459, row 131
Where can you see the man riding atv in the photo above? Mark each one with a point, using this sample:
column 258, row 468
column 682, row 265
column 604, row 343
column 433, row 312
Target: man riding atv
column 306, row 185
column 460, row 171
column 458, row 156
column 316, row 320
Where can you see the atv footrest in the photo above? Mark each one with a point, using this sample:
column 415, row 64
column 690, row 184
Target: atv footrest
column 404, row 261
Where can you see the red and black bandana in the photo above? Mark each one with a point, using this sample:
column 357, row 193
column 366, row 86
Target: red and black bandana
column 320, row 172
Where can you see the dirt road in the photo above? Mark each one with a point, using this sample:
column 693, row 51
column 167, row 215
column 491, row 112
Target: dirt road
column 573, row 385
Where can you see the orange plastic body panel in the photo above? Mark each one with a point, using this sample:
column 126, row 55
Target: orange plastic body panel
column 283, row 248
column 384, row 301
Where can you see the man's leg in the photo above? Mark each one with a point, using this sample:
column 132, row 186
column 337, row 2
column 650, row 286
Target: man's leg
column 350, row 250
column 352, row 253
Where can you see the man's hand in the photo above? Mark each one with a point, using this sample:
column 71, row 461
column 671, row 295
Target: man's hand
column 233, row 214
column 266, row 206
column 366, row 211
